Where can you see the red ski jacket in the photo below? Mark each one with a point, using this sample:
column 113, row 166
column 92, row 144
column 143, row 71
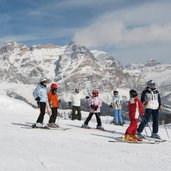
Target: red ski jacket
column 135, row 108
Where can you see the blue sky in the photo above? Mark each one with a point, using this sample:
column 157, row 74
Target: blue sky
column 130, row 30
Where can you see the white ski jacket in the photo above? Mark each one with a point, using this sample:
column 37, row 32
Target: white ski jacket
column 76, row 99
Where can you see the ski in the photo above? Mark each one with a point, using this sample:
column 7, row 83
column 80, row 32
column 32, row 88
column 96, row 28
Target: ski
column 154, row 139
column 131, row 142
column 60, row 128
column 47, row 128
column 33, row 126
column 86, row 127
column 39, row 127
column 122, row 140
column 105, row 130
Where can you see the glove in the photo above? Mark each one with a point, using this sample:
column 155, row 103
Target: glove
column 87, row 97
column 111, row 106
column 69, row 103
column 95, row 108
column 92, row 106
column 37, row 99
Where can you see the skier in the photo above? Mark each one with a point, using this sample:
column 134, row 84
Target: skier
column 116, row 105
column 40, row 95
column 150, row 98
column 95, row 103
column 54, row 104
column 135, row 109
column 75, row 100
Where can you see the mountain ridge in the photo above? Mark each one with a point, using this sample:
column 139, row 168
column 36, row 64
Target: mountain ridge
column 75, row 66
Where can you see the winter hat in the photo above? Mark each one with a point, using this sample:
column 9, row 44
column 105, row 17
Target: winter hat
column 43, row 80
column 115, row 92
column 77, row 90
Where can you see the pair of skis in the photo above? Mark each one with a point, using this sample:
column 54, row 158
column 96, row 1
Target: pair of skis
column 147, row 140
column 100, row 129
column 33, row 126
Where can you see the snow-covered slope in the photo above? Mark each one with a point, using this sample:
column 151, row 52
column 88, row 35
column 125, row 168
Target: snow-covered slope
column 72, row 150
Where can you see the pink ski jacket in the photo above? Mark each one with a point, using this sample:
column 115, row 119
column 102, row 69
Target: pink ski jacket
column 97, row 101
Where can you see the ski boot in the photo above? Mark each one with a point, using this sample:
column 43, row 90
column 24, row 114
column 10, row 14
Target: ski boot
column 52, row 125
column 100, row 127
column 39, row 125
column 85, row 126
column 138, row 134
column 136, row 138
column 155, row 136
column 129, row 138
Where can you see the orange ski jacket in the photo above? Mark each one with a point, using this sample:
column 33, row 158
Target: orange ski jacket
column 53, row 100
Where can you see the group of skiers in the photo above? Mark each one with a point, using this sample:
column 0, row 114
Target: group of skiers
column 42, row 97
column 150, row 104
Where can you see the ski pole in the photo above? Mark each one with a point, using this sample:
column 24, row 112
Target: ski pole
column 166, row 129
column 59, row 111
column 146, row 131
column 107, row 119
column 107, row 115
column 146, row 123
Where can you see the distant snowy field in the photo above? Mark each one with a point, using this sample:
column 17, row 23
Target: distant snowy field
column 76, row 149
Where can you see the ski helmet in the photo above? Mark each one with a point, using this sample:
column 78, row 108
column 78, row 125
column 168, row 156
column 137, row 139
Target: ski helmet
column 150, row 83
column 53, row 85
column 95, row 93
column 133, row 93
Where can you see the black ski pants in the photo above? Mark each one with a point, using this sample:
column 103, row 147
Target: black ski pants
column 74, row 109
column 146, row 118
column 54, row 115
column 99, row 123
column 42, row 106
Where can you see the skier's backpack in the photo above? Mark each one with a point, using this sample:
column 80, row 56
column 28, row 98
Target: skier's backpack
column 117, row 103
column 35, row 93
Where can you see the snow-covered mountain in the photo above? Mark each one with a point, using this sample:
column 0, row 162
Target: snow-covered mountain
column 72, row 66
column 160, row 73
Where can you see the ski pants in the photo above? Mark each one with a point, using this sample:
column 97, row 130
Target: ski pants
column 146, row 118
column 42, row 106
column 54, row 115
column 74, row 109
column 118, row 116
column 132, row 129
column 99, row 123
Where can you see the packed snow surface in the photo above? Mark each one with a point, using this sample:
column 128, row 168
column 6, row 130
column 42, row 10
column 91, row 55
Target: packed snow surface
column 76, row 149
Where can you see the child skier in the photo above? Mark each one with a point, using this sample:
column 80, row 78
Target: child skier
column 54, row 104
column 116, row 105
column 135, row 109
column 95, row 103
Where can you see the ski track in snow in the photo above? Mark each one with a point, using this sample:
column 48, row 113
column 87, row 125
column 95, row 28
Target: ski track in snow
column 74, row 149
